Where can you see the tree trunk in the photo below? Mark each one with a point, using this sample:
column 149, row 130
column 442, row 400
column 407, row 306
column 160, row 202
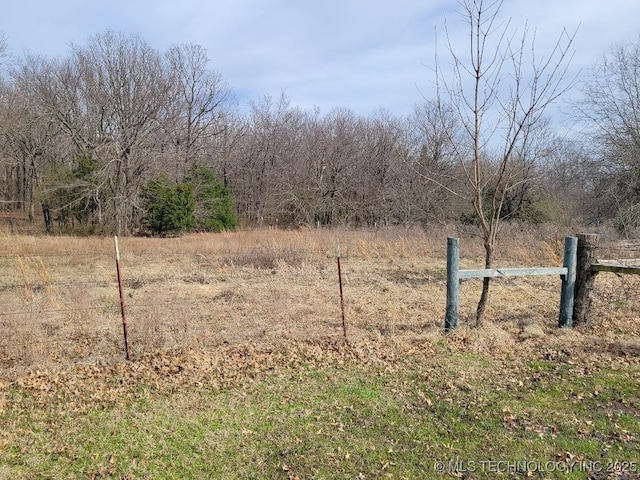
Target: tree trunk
column 46, row 213
column 585, row 278
column 488, row 262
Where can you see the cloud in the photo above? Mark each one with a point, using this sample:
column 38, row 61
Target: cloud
column 362, row 55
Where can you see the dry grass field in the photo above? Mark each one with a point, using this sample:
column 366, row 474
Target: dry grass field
column 237, row 314
column 263, row 288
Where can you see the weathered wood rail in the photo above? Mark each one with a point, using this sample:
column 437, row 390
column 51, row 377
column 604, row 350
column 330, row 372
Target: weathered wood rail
column 588, row 268
column 624, row 266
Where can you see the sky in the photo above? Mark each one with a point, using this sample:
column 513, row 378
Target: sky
column 364, row 55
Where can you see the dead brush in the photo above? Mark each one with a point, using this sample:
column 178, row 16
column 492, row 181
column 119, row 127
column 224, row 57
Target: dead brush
column 527, row 250
column 40, row 281
column 29, row 340
column 43, row 274
column 265, row 287
column 27, row 284
column 156, row 325
column 147, row 327
column 267, row 258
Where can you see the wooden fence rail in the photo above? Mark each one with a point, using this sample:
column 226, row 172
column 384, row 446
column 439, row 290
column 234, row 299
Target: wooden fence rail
column 454, row 275
column 588, row 267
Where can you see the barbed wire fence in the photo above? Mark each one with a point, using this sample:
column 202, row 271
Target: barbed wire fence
column 64, row 307
column 617, row 295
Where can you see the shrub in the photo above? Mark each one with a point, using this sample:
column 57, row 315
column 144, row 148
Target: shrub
column 170, row 207
column 214, row 206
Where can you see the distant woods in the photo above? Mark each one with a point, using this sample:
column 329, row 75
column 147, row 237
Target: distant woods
column 117, row 136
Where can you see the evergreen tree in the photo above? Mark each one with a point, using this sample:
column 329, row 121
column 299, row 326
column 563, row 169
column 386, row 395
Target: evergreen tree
column 170, row 207
column 214, row 206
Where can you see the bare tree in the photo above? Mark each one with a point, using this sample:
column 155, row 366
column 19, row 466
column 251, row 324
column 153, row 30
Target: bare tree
column 432, row 132
column 132, row 90
column 499, row 94
column 4, row 47
column 335, row 166
column 127, row 113
column 59, row 94
column 611, row 105
column 201, row 102
column 569, row 175
column 374, row 196
column 31, row 141
column 109, row 97
column 265, row 160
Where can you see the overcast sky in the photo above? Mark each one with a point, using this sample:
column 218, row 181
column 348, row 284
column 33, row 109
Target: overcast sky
column 360, row 54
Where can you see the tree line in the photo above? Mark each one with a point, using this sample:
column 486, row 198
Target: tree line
column 118, row 136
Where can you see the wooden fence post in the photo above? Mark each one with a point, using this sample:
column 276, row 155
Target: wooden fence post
column 568, row 283
column 585, row 277
column 453, row 284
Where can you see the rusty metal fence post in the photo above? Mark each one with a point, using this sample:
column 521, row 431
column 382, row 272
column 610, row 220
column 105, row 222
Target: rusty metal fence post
column 127, row 350
column 344, row 323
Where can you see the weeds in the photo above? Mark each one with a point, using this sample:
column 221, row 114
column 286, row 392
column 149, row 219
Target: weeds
column 270, row 286
column 239, row 369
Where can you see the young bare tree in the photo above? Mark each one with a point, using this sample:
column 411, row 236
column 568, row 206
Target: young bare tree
column 499, row 92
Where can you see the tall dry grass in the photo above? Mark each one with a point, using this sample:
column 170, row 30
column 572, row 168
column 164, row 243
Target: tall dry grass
column 263, row 287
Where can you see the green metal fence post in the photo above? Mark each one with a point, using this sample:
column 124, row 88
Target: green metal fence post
column 453, row 284
column 568, row 282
